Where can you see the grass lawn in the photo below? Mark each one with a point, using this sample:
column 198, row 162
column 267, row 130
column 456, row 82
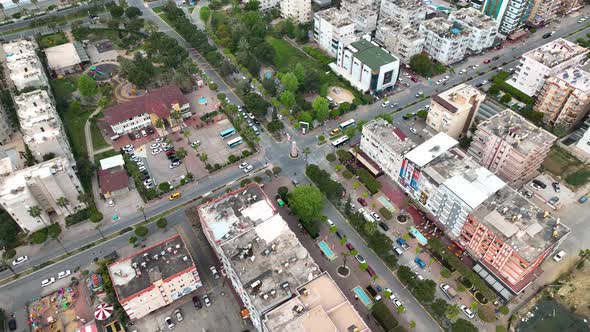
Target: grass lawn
column 98, row 141
column 106, row 154
column 53, row 39
column 559, row 161
column 157, row 9
column 579, row 177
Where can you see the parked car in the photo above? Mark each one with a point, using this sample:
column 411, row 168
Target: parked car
column 397, row 251
column 20, row 260
column 383, row 226
column 467, row 311
column 487, row 61
column 420, row 262
column 402, row 243
column 174, row 164
column 63, row 274
column 330, row 222
column 206, row 300
column 553, row 200
column 156, row 151
column 375, row 216
column 583, row 199
column 47, row 282
column 248, row 168
column 396, row 302
column 243, row 165
column 559, row 256
column 362, row 201
column 349, row 246
column 556, row 186
column 155, row 145
column 335, row 131
column 169, row 323
column 360, row 259
column 12, row 324
column 214, row 272
column 197, row 302
column 178, row 315
column 370, row 271
column 340, row 235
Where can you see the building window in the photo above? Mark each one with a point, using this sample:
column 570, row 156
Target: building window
column 387, row 77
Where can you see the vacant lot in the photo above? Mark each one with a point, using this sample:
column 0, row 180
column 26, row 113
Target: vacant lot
column 53, row 39
column 561, row 163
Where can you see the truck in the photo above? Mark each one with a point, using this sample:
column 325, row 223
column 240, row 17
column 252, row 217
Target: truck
column 448, row 290
column 373, row 293
column 402, row 243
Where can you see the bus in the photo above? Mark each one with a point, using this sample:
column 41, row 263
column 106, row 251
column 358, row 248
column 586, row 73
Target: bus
column 346, row 124
column 234, row 142
column 227, row 133
column 340, row 141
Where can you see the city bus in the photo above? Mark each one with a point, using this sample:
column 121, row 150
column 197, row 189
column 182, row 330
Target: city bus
column 227, row 133
column 340, row 141
column 346, row 124
column 234, row 142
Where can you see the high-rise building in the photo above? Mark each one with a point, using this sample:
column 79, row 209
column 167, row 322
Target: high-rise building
column 482, row 29
column 363, row 13
column 445, row 40
column 583, row 133
column 298, row 10
column 543, row 12
column 404, row 12
column 510, row 146
column 333, row 29
column 565, row 98
column 24, row 67
column 403, row 42
column 510, row 14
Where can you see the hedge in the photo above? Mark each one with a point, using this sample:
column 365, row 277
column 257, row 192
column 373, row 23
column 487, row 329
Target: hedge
column 322, row 180
column 384, row 316
column 78, row 217
column 500, row 81
column 369, row 181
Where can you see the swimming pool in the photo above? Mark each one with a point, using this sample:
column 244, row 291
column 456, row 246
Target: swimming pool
column 362, row 296
column 327, row 251
column 203, row 100
column 268, row 74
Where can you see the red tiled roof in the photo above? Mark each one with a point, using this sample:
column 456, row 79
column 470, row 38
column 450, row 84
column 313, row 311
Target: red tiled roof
column 157, row 101
column 110, row 181
column 400, row 134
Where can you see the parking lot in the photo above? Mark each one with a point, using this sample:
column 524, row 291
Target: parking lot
column 213, row 145
column 565, row 195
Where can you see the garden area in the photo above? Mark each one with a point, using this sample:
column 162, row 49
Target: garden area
column 51, row 40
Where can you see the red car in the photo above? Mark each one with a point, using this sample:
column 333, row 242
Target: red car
column 169, row 153
column 487, row 61
column 370, row 271
column 349, row 246
column 362, row 201
column 414, row 79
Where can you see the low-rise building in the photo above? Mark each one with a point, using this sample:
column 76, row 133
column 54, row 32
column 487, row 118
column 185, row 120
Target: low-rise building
column 66, row 58
column 40, row 186
column 510, row 146
column 510, row 237
column 144, row 111
column 24, row 67
column 333, row 29
column 154, row 277
column 364, row 13
column 444, row 40
column 112, row 176
column 41, row 126
column 298, row 10
column 565, row 98
column 546, row 61
column 403, row 42
column 385, row 145
column 453, row 111
column 367, row 66
column 404, row 12
column 543, row 12
column 483, row 29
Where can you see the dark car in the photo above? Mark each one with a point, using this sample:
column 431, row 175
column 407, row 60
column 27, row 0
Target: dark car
column 172, row 156
column 150, row 130
column 495, row 58
column 197, row 302
column 487, row 61
column 370, row 271
column 540, row 183
column 350, row 246
column 131, row 136
column 362, row 201
column 383, row 226
column 547, row 35
column 340, row 235
column 556, row 186
column 12, row 324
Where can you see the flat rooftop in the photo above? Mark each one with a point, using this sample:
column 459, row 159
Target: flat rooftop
column 336, row 17
column 459, row 97
column 389, row 135
column 266, row 255
column 15, row 182
column 473, row 17
column 555, row 52
column 449, row 164
column 63, row 56
column 319, row 305
column 390, row 26
column 474, row 185
column 371, row 54
column 519, row 223
column 446, row 28
column 37, row 116
column 577, row 78
column 431, row 149
column 517, row 131
column 408, row 4
column 135, row 273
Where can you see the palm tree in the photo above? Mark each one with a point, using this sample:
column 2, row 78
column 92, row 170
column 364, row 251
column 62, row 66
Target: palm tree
column 306, row 151
column 63, row 203
column 186, row 135
column 35, row 212
column 356, row 149
column 2, row 10
column 159, row 124
column 181, row 153
column 35, row 2
column 176, row 116
column 17, row 3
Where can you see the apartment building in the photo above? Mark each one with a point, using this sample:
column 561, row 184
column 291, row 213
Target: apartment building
column 403, row 42
column 564, row 99
column 298, row 10
column 583, row 133
column 483, row 29
column 154, row 277
column 266, row 5
column 24, row 67
column 404, row 12
column 510, row 14
column 385, row 145
column 570, row 6
column 364, row 14
column 6, row 128
column 41, row 185
column 41, row 126
column 444, row 40
column 333, row 29
column 510, row 146
column 453, row 111
column 510, row 237
column 367, row 66
column 546, row 61
column 543, row 12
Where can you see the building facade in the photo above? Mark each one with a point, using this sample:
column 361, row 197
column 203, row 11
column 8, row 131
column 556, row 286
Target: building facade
column 404, row 12
column 453, row 111
column 483, row 29
column 510, row 146
column 583, row 133
column 546, row 61
column 6, row 128
column 444, row 40
column 367, row 66
column 298, row 10
column 510, row 14
column 403, row 42
column 564, row 99
column 24, row 67
column 332, row 29
column 569, row 6
column 364, row 13
column 543, row 12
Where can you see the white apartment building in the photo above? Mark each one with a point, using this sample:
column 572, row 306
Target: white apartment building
column 367, row 66
column 332, row 29
column 298, row 10
column 445, row 40
column 24, row 67
column 543, row 12
column 40, row 185
column 403, row 42
column 364, row 13
column 510, row 14
column 546, row 61
column 5, row 126
column 41, row 126
column 483, row 29
column 453, row 111
column 266, row 5
column 385, row 145
column 404, row 12
column 584, row 133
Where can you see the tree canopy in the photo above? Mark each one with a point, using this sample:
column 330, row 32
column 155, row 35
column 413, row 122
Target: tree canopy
column 306, row 202
column 87, row 86
column 321, row 108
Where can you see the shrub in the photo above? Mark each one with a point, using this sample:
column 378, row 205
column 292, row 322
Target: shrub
column 141, row 231
column 53, row 230
column 213, row 86
column 8, row 254
column 232, row 159
column 330, row 157
column 39, row 236
column 445, row 273
column 384, row 316
column 133, row 239
column 96, row 216
column 504, row 310
column 385, row 213
column 486, row 313
column 347, row 174
column 369, row 181
column 245, row 182
column 276, row 170
column 283, row 191
column 164, row 186
column 257, row 179
column 321, row 138
column 162, row 223
column 125, row 230
column 78, row 217
column 321, row 178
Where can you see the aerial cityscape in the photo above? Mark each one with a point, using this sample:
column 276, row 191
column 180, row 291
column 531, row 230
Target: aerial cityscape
column 294, row 165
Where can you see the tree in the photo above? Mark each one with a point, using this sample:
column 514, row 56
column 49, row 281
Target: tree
column 205, row 14
column 141, row 231
column 150, row 27
column 63, row 202
column 462, row 325
column 181, row 153
column 159, row 123
column 17, row 3
column 269, row 85
column 306, row 202
column 35, row 212
column 287, row 98
column 289, row 81
column 421, row 64
column 132, row 12
column 87, row 86
column 494, row 89
column 321, row 108
column 116, row 11
column 506, row 98
column 305, row 117
column 86, row 198
column 452, row 312
column 177, row 117
column 422, row 114
column 439, row 307
column 133, row 240
column 162, row 223
column 306, row 152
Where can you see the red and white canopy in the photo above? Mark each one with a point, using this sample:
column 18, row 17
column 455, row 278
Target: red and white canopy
column 103, row 311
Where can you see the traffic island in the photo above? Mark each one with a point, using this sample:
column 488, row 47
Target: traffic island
column 402, row 218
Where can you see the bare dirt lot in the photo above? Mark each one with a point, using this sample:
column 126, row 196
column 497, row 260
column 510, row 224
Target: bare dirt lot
column 575, row 293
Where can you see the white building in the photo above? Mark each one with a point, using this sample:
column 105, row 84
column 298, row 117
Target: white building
column 546, row 61
column 404, row 12
column 453, row 111
column 510, row 14
column 445, row 40
column 332, row 29
column 298, row 10
column 403, row 42
column 266, row 5
column 41, row 126
column 41, row 186
column 483, row 29
column 364, row 13
column 584, row 134
column 367, row 66
column 24, row 67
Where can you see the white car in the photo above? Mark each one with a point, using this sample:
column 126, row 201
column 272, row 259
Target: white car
column 141, row 168
column 156, row 151
column 559, row 256
column 140, row 163
column 214, row 272
column 413, row 130
column 447, row 77
column 159, row 140
column 375, row 216
column 361, row 210
column 63, row 274
column 134, row 158
column 248, row 168
column 47, row 282
column 169, row 323
column 155, row 145
column 178, row 315
column 148, row 181
column 195, row 143
column 111, row 202
column 397, row 302
column 243, row 165
column 467, row 311
column 20, row 260
column 475, row 66
column 331, row 223
column 128, row 147
column 419, row 276
column 385, row 103
column 391, row 296
column 174, row 164
column 150, row 186
column 206, row 300
column 360, row 259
